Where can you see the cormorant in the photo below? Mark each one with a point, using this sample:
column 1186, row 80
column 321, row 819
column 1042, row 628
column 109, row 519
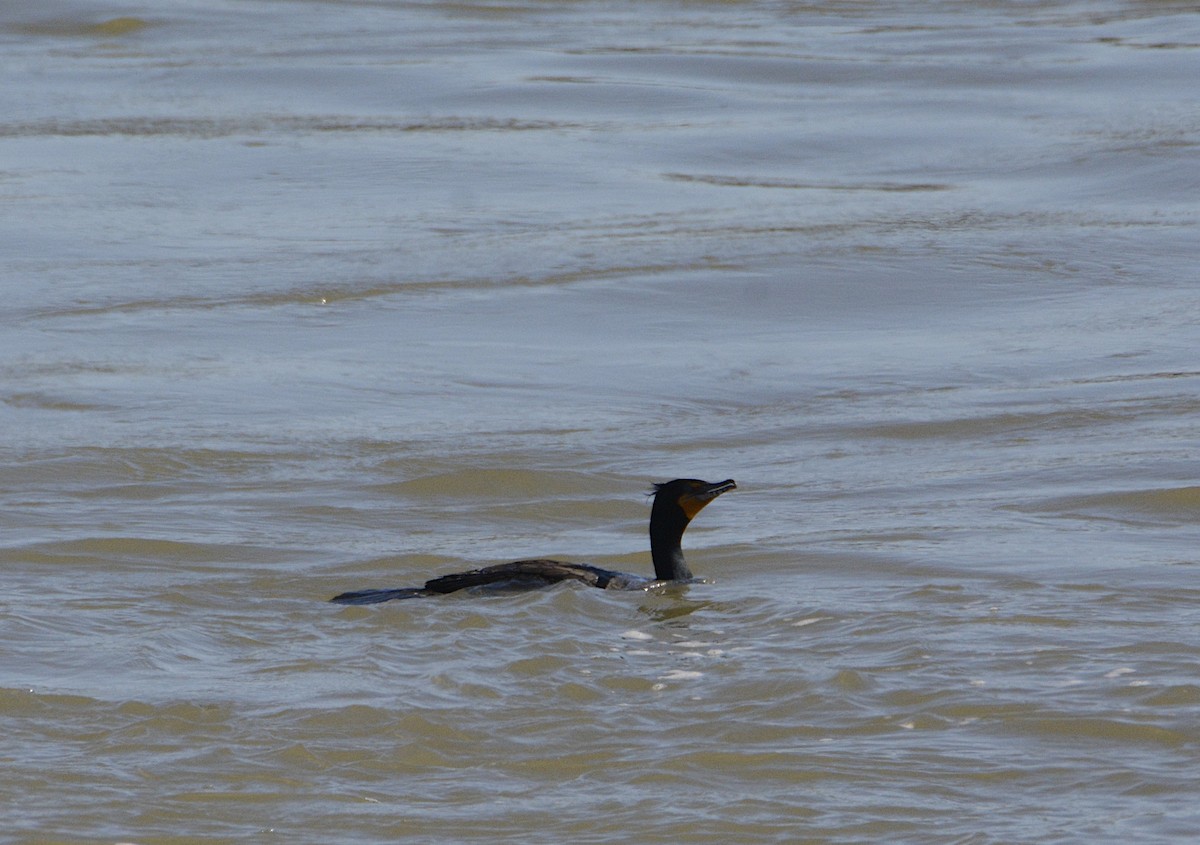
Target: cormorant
column 675, row 503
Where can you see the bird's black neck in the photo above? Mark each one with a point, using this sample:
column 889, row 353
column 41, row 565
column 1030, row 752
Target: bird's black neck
column 666, row 531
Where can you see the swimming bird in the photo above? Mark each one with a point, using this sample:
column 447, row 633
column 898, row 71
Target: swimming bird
column 675, row 504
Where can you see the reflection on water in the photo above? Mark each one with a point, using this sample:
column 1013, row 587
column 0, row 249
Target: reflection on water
column 310, row 295
column 678, row 608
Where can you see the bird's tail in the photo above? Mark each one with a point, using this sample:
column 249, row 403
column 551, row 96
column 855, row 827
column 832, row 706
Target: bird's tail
column 377, row 596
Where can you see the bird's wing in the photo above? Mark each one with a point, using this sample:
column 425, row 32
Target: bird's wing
column 546, row 571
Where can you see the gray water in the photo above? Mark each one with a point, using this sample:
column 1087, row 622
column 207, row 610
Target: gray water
column 303, row 297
